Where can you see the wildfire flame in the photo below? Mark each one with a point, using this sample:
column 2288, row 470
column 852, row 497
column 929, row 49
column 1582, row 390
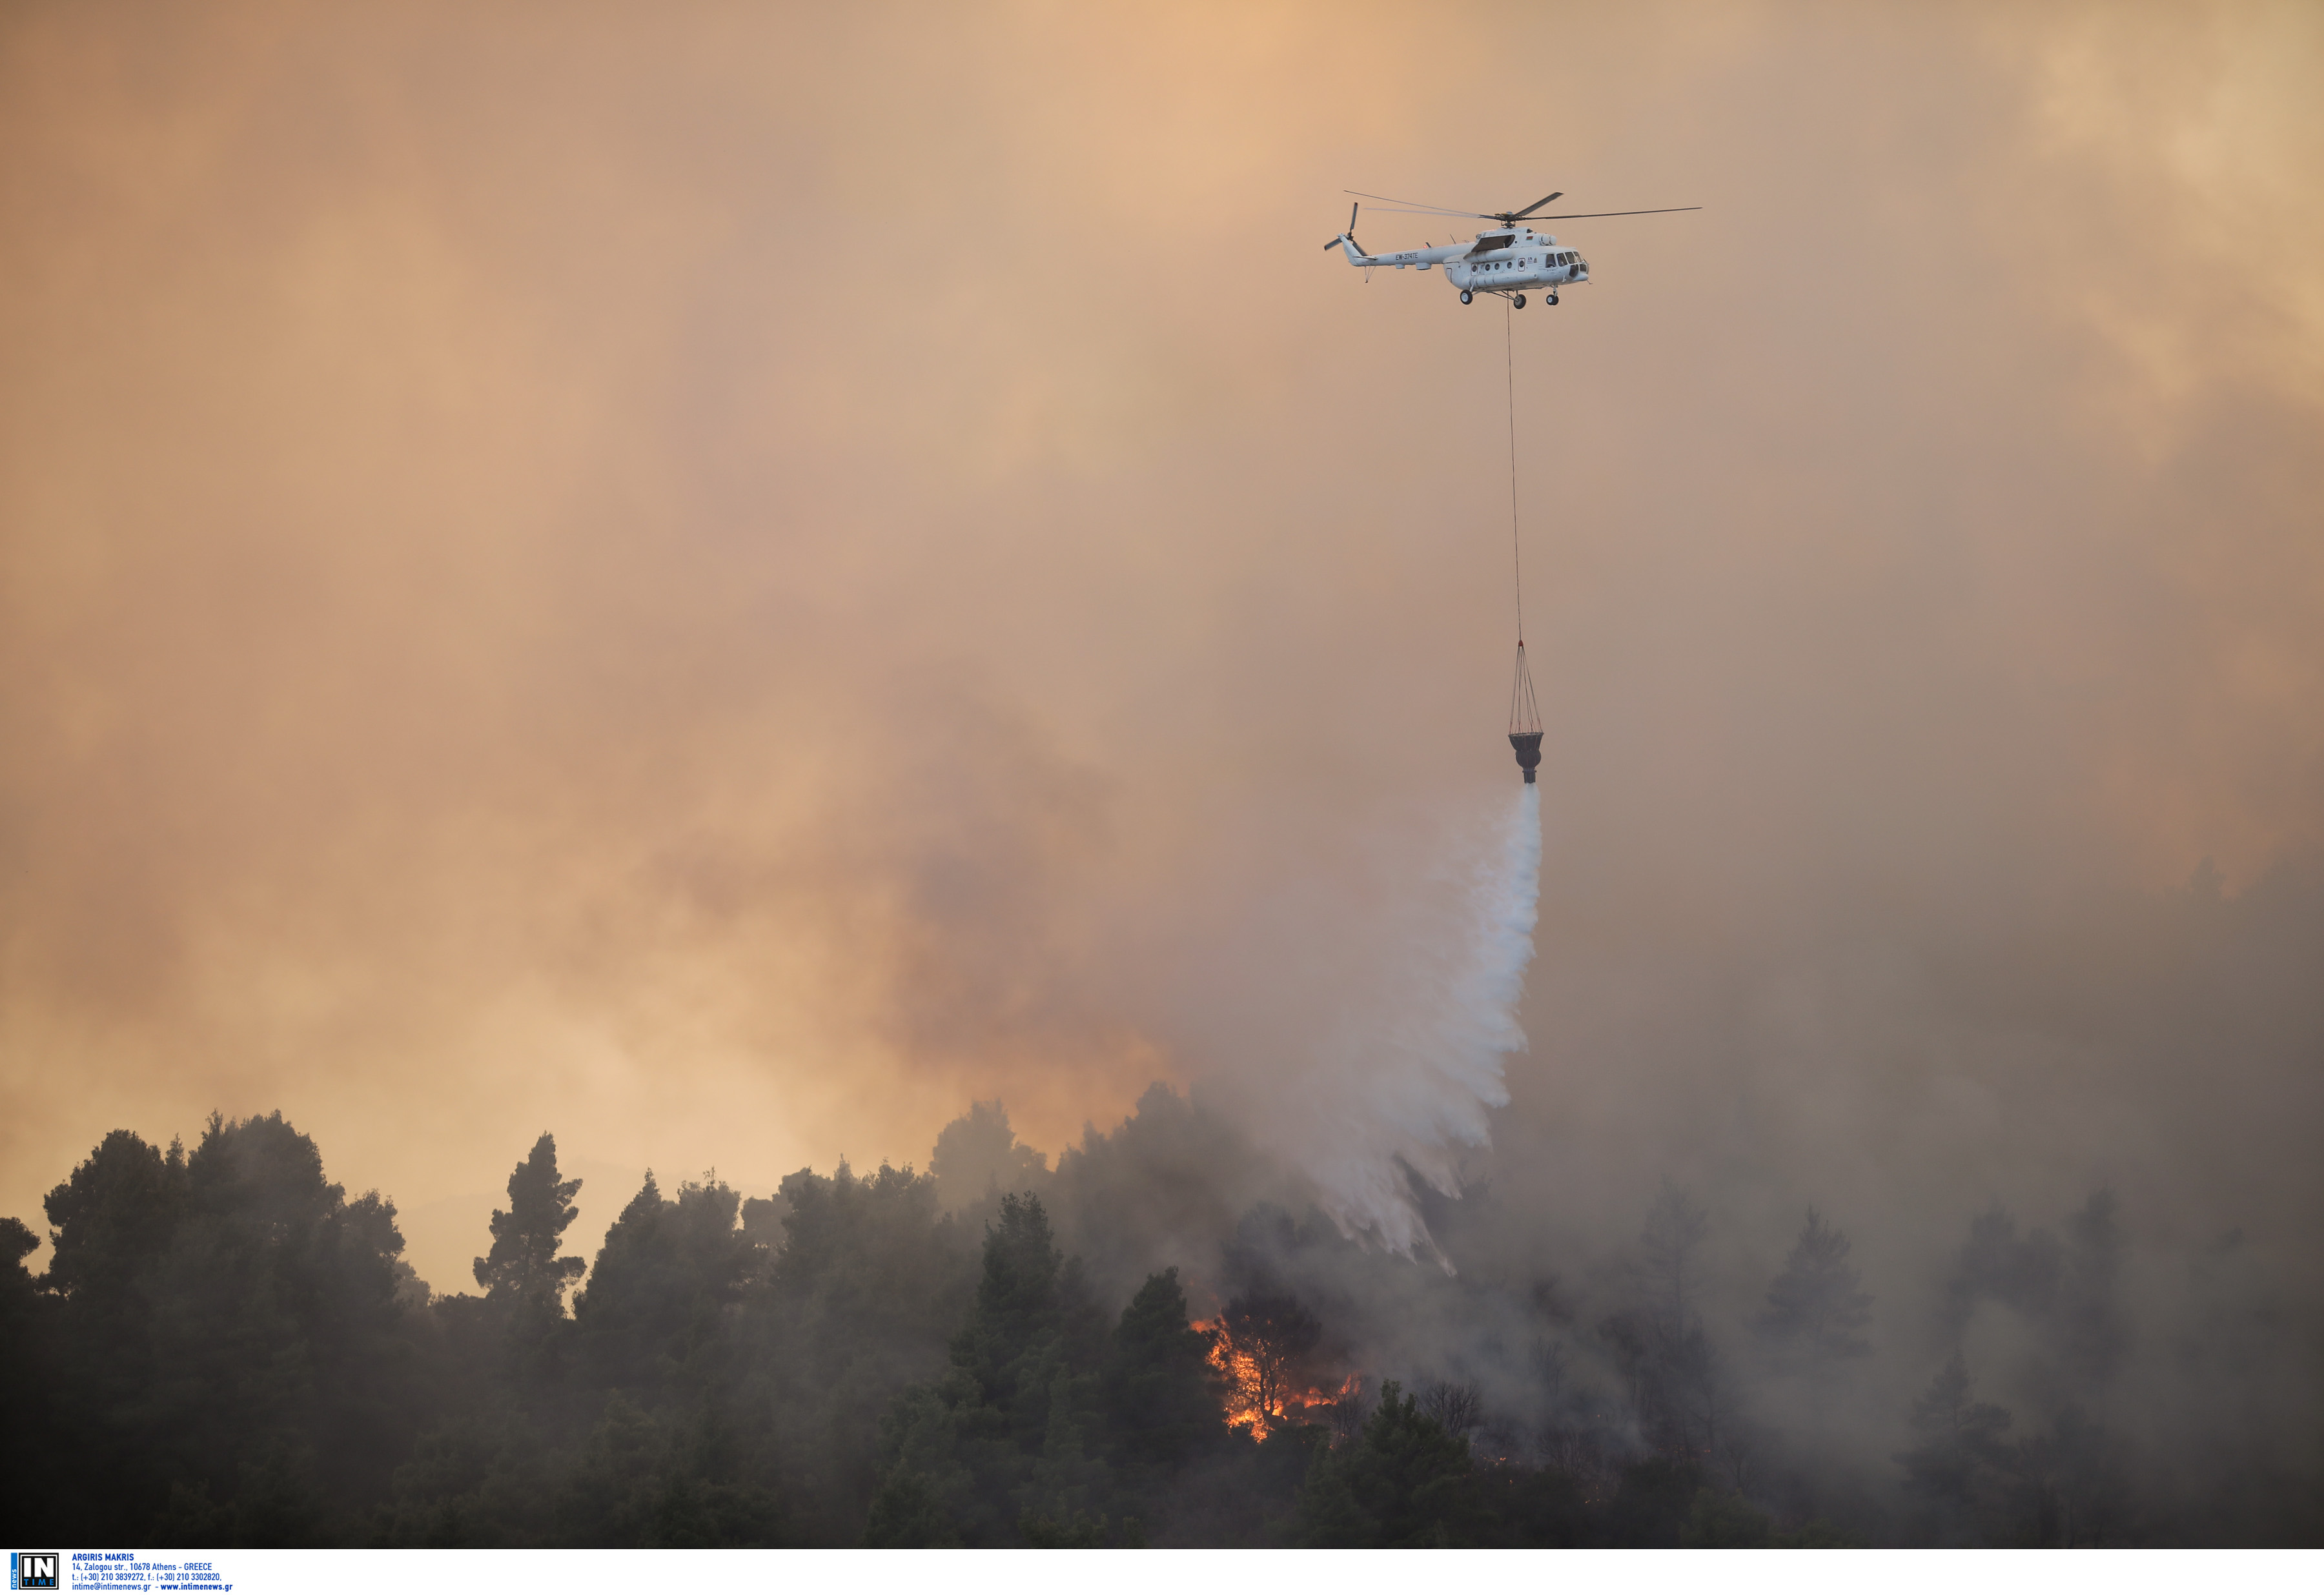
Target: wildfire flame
column 1248, row 1403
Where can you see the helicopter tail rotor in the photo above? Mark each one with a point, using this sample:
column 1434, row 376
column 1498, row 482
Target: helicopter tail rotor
column 1350, row 233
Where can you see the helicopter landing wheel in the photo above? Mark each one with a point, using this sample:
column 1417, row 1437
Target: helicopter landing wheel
column 1552, row 298
column 1519, row 301
column 1466, row 296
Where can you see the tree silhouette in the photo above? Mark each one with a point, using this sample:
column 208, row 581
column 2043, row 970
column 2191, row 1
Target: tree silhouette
column 1265, row 1336
column 1959, row 1463
column 1404, row 1482
column 1162, row 1393
column 978, row 1156
column 652, row 1312
column 231, row 1328
column 1815, row 1314
column 1998, row 1264
column 523, row 1265
column 1456, row 1406
column 993, row 1449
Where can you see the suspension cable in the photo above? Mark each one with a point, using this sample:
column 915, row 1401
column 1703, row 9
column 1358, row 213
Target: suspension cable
column 1510, row 370
column 1525, row 714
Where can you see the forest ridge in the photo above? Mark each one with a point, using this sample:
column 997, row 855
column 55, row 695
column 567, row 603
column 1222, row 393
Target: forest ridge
column 226, row 1349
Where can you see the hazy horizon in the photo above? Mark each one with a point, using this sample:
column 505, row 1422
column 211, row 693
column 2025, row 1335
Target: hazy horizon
column 723, row 584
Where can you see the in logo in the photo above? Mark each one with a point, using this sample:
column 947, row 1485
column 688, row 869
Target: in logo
column 33, row 1570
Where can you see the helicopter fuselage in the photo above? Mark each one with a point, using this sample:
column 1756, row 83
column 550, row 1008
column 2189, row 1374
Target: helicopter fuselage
column 1492, row 263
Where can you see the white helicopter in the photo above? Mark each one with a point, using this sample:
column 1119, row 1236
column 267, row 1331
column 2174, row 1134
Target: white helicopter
column 1505, row 262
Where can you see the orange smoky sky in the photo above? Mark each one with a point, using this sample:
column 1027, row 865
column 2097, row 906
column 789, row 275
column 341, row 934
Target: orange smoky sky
column 721, row 580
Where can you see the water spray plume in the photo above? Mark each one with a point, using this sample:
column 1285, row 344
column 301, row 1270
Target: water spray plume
column 1405, row 1083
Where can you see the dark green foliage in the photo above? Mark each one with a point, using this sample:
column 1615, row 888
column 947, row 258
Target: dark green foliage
column 1724, row 1519
column 1655, row 1501
column 225, row 1348
column 669, row 1479
column 863, row 1300
column 1531, row 1508
column 704, row 1392
column 523, row 1265
column 1720, row 1519
column 20, row 1296
column 996, row 1451
column 1160, row 1393
column 231, row 1327
column 114, row 1219
column 27, row 1312
column 654, row 1309
column 477, row 1479
column 1404, row 1482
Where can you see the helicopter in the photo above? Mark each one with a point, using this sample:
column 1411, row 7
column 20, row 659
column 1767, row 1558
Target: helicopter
column 1505, row 262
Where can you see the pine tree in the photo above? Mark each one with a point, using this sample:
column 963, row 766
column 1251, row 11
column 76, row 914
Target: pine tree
column 523, row 1265
column 655, row 1308
column 992, row 1451
column 1815, row 1314
column 1959, row 1463
column 1162, row 1394
column 1406, row 1482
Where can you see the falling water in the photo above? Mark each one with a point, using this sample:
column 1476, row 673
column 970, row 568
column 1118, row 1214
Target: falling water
column 1409, row 1075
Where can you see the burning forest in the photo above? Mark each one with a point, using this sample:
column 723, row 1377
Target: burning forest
column 908, row 1358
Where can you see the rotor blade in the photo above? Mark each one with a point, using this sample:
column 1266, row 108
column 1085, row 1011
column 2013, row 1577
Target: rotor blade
column 1357, row 205
column 1537, row 204
column 1439, row 209
column 1583, row 216
column 1333, row 243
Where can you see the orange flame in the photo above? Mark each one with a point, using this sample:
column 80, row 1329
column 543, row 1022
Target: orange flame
column 1247, row 1404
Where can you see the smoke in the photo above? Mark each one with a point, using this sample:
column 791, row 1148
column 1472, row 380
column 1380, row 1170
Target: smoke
column 1406, row 1074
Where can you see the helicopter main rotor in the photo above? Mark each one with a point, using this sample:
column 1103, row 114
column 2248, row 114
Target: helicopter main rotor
column 1509, row 218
